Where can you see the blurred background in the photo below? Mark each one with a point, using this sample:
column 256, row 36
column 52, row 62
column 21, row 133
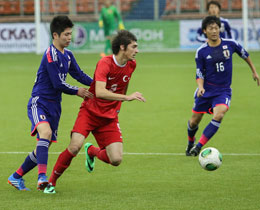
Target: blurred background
column 160, row 25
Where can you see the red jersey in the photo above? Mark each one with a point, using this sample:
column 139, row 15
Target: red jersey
column 116, row 78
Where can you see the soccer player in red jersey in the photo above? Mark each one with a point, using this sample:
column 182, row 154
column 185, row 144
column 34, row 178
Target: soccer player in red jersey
column 99, row 115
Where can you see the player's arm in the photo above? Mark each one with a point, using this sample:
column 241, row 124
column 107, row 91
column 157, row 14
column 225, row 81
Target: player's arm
column 252, row 67
column 119, row 18
column 77, row 73
column 100, row 21
column 59, row 83
column 103, row 93
column 199, row 73
column 244, row 54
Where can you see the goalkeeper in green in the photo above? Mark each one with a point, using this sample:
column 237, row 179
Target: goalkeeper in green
column 110, row 19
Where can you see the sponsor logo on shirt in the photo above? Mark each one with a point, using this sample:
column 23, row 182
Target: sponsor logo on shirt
column 42, row 117
column 209, row 57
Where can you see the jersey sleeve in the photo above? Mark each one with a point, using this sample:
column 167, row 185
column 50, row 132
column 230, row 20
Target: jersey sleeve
column 77, row 73
column 102, row 70
column 56, row 77
column 240, row 50
column 199, row 66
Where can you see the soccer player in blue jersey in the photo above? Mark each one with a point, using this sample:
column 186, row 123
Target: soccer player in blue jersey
column 44, row 106
column 214, row 8
column 214, row 76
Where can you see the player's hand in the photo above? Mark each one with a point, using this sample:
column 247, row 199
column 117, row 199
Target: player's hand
column 136, row 96
column 256, row 78
column 200, row 92
column 100, row 23
column 83, row 93
column 121, row 26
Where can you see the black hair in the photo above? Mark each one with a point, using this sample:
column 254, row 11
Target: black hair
column 123, row 37
column 59, row 24
column 210, row 20
column 215, row 3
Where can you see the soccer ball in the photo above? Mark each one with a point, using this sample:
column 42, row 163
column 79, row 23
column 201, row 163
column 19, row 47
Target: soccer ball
column 210, row 159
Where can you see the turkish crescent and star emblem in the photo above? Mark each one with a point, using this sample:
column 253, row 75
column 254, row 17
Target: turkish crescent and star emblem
column 126, row 78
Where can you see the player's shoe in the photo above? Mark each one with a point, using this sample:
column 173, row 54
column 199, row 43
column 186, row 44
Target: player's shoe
column 90, row 162
column 17, row 183
column 189, row 147
column 195, row 150
column 50, row 189
column 42, row 182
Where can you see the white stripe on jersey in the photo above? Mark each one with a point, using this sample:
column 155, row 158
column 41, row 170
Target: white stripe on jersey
column 202, row 46
column 66, row 84
column 54, row 54
column 34, row 110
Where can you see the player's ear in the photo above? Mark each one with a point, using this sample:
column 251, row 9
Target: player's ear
column 55, row 35
column 122, row 47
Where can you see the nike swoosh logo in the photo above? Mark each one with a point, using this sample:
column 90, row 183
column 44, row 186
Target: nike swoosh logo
column 110, row 78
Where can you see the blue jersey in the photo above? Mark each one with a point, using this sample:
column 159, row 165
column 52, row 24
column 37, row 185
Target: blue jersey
column 225, row 31
column 51, row 76
column 214, row 64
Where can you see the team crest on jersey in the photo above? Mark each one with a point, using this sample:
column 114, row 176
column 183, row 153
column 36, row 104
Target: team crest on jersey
column 126, row 78
column 226, row 54
column 42, row 117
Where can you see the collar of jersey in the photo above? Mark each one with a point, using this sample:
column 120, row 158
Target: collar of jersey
column 114, row 58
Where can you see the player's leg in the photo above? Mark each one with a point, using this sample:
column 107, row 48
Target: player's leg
column 193, row 126
column 220, row 106
column 37, row 116
column 109, row 139
column 16, row 179
column 45, row 134
column 65, row 158
column 115, row 153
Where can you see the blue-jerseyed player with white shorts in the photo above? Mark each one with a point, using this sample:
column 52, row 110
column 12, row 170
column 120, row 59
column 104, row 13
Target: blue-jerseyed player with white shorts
column 214, row 77
column 44, row 106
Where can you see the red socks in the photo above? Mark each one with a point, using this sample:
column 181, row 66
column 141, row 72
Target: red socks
column 61, row 165
column 100, row 154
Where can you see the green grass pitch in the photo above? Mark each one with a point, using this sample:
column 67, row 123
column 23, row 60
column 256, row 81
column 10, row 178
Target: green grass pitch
column 155, row 173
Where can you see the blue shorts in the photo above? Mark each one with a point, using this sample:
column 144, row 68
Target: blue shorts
column 206, row 104
column 44, row 111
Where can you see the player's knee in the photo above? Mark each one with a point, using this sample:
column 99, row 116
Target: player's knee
column 116, row 161
column 219, row 116
column 46, row 134
column 74, row 149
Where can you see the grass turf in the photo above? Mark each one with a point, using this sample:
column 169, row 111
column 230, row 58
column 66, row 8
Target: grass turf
column 142, row 181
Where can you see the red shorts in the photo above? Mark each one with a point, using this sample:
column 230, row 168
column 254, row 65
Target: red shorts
column 105, row 130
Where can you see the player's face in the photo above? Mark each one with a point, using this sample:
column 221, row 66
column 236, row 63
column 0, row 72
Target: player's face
column 213, row 10
column 64, row 39
column 212, row 32
column 131, row 50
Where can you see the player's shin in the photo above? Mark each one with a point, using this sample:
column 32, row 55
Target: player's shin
column 62, row 163
column 208, row 132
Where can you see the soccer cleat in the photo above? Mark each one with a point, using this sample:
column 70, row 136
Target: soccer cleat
column 195, row 150
column 50, row 189
column 90, row 162
column 42, row 182
column 17, row 183
column 189, row 147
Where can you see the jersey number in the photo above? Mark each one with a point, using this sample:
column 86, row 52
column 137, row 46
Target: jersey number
column 220, row 67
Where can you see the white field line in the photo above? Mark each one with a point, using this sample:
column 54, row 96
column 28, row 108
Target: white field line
column 143, row 154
